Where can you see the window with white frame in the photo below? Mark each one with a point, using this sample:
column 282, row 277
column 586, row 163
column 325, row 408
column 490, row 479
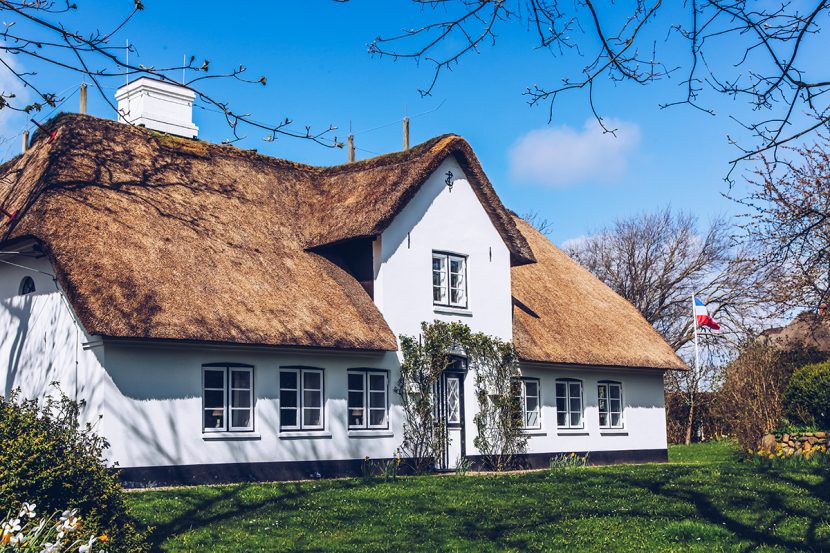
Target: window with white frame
column 449, row 279
column 610, row 404
column 568, row 403
column 227, row 398
column 530, row 400
column 367, row 402
column 301, row 398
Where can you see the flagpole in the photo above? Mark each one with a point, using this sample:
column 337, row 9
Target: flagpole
column 694, row 323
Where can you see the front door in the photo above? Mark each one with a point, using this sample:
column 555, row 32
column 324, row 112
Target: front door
column 450, row 394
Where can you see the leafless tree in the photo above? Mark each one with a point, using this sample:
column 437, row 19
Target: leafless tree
column 751, row 50
column 657, row 262
column 539, row 222
column 36, row 33
column 789, row 219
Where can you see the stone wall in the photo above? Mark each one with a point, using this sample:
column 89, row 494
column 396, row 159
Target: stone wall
column 790, row 443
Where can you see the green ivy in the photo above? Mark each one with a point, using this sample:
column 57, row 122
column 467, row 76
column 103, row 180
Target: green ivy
column 495, row 366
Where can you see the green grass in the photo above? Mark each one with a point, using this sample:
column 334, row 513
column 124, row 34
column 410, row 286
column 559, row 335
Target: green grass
column 704, row 499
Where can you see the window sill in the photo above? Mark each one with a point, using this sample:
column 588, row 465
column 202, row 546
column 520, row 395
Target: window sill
column 613, row 432
column 381, row 433
column 572, row 432
column 534, row 432
column 303, row 434
column 225, row 436
column 444, row 310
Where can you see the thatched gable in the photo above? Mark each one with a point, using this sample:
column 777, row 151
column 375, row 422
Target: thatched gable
column 564, row 314
column 362, row 198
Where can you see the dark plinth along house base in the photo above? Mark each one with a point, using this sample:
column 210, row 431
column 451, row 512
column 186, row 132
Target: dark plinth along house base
column 223, row 473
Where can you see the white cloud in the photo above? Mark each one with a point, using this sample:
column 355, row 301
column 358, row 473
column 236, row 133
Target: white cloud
column 574, row 243
column 563, row 155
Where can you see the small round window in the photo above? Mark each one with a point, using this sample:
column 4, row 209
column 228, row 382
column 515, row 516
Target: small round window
column 27, row 285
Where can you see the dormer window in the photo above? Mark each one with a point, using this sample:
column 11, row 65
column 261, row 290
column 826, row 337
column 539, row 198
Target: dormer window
column 27, row 286
column 449, row 279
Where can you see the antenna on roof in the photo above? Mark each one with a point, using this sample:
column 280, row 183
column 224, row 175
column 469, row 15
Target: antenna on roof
column 184, row 64
column 406, row 133
column 127, row 69
column 82, row 109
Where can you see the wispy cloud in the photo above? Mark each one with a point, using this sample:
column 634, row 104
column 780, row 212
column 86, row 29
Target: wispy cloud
column 564, row 155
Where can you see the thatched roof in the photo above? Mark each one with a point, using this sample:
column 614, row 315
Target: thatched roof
column 166, row 238
column 157, row 237
column 564, row 314
column 807, row 331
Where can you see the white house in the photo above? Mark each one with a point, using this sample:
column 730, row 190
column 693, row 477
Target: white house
column 231, row 316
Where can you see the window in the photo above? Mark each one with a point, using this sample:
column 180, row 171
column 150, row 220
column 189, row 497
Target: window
column 610, row 404
column 367, row 399
column 529, row 399
column 568, row 403
column 27, row 286
column 453, row 400
column 449, row 279
column 301, row 399
column 227, row 398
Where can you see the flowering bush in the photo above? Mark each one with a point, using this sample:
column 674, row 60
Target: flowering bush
column 54, row 534
column 782, row 456
column 49, row 457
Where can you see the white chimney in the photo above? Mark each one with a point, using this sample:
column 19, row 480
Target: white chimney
column 157, row 105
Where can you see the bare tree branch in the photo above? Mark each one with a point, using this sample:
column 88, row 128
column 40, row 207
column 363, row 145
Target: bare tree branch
column 33, row 29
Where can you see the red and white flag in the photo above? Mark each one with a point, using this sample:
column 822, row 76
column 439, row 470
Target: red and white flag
column 702, row 317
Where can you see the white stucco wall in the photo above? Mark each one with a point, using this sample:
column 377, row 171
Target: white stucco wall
column 449, row 220
column 154, row 406
column 644, row 415
column 40, row 343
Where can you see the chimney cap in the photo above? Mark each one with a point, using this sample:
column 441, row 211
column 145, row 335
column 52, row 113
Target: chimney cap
column 160, row 105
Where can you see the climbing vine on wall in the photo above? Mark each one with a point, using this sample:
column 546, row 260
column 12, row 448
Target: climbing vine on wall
column 494, row 368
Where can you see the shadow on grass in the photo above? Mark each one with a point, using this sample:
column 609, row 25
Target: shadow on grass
column 226, row 503
column 774, row 508
column 738, row 504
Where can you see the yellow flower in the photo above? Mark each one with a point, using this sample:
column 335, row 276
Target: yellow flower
column 103, row 538
column 771, row 456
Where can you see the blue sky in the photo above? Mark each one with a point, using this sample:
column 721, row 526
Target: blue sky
column 319, row 73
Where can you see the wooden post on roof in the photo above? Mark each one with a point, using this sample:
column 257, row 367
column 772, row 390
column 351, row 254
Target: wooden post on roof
column 83, row 99
column 406, row 133
column 351, row 148
column 25, row 140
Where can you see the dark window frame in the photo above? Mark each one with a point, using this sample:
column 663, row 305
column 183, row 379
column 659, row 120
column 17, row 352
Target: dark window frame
column 27, row 286
column 568, row 411
column 365, row 372
column 607, row 384
column 447, row 255
column 300, row 370
column 522, row 397
column 227, row 391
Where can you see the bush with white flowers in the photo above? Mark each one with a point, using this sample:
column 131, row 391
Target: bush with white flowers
column 50, row 457
column 58, row 533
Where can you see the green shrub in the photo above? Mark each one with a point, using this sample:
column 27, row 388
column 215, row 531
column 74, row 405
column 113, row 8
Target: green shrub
column 48, row 458
column 807, row 399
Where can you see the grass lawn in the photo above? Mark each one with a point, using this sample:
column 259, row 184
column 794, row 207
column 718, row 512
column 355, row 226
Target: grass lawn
column 702, row 500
